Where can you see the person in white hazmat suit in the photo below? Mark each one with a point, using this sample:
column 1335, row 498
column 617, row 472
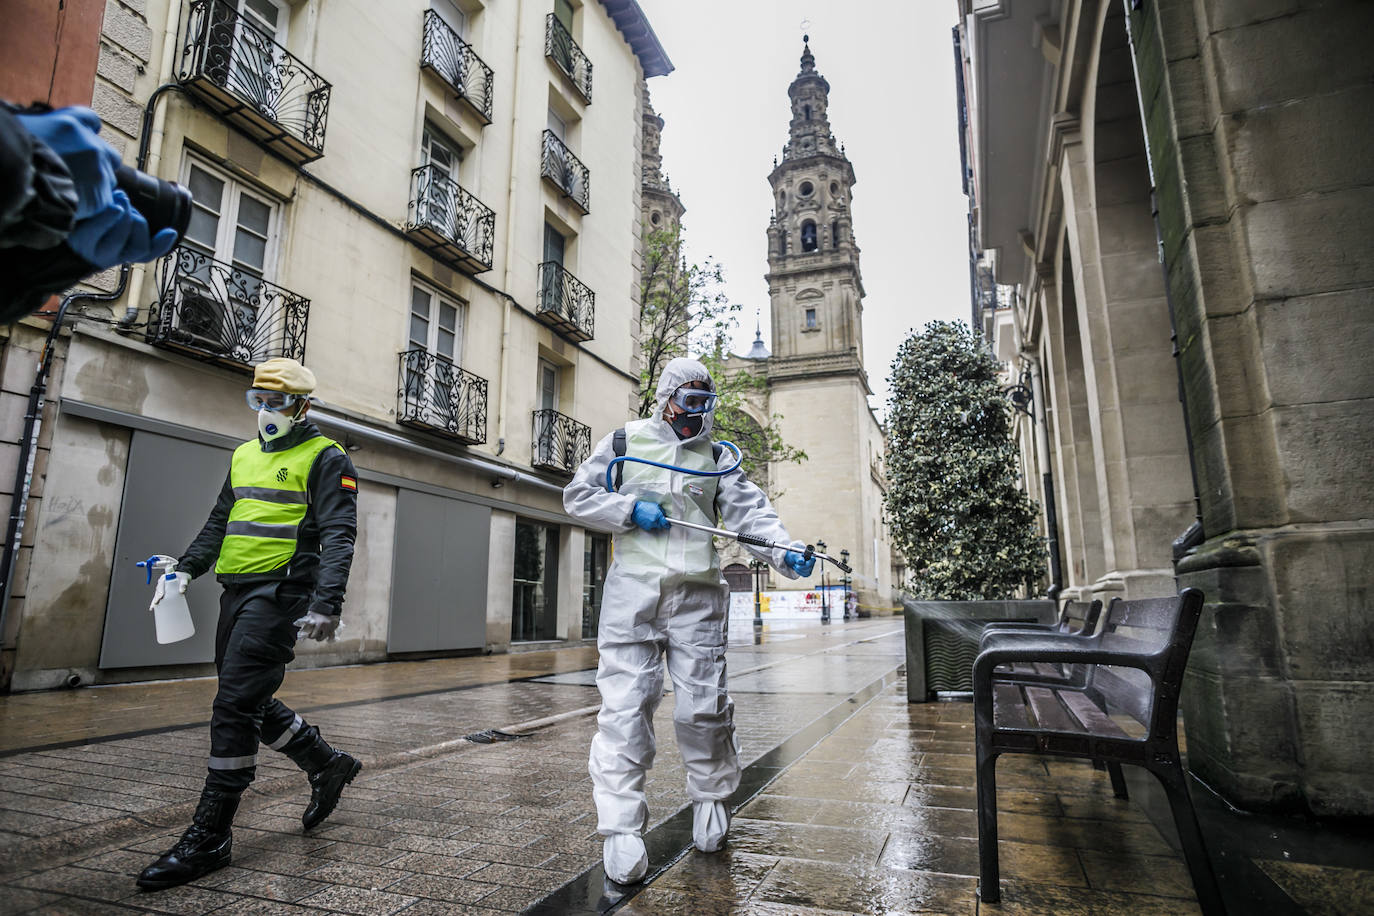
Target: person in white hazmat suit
column 664, row 594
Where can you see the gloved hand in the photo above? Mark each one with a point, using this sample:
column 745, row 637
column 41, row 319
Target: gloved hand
column 316, row 626
column 649, row 516
column 160, row 590
column 799, row 565
column 71, row 133
column 118, row 234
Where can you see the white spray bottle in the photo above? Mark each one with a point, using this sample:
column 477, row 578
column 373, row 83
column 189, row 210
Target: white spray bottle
column 171, row 615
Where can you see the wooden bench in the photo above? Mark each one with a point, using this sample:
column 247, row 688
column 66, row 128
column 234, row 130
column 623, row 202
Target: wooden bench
column 1133, row 669
column 1076, row 619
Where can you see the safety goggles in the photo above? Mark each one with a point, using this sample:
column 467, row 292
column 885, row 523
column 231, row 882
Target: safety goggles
column 267, row 399
column 693, row 400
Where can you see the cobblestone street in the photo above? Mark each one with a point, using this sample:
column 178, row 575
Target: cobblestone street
column 854, row 801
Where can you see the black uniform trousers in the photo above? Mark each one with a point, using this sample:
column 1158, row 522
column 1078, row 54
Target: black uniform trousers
column 254, row 642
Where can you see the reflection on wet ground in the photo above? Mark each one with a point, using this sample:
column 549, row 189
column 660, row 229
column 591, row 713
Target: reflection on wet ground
column 852, row 801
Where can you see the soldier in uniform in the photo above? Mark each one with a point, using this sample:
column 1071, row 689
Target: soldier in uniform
column 280, row 539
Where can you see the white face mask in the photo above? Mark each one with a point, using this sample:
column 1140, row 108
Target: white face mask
column 274, row 425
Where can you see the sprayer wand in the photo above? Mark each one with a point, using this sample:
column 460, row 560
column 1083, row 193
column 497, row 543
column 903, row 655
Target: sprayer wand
column 754, row 541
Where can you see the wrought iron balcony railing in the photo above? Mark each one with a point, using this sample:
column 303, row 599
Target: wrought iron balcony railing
column 241, row 73
column 452, row 60
column 449, row 222
column 560, row 442
column 566, row 172
column 560, row 48
column 565, row 302
column 437, row 395
column 215, row 311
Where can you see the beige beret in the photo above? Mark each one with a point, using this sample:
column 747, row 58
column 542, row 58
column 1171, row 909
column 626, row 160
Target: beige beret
column 283, row 374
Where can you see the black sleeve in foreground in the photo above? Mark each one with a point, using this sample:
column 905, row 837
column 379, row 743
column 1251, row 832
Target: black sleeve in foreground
column 204, row 550
column 333, row 486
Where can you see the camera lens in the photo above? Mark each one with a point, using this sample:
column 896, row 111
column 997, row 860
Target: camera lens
column 164, row 204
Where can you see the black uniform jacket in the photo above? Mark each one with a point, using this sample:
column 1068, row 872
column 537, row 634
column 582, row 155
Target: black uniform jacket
column 324, row 544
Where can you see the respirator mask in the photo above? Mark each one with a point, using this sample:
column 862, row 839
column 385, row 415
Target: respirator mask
column 272, row 408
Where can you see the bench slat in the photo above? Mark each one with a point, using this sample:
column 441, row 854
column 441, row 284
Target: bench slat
column 1008, row 709
column 1048, row 669
column 1048, row 712
column 1093, row 718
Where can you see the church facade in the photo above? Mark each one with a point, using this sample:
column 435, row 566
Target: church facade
column 816, row 381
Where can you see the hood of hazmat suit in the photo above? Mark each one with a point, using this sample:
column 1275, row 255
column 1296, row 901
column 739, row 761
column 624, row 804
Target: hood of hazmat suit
column 664, row 595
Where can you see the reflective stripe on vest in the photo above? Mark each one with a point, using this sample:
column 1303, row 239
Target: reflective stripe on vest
column 684, row 496
column 270, row 502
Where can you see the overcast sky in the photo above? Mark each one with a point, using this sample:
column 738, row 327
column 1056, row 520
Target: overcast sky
column 890, row 65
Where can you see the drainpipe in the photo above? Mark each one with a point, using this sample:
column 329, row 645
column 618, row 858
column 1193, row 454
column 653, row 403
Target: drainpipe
column 503, row 376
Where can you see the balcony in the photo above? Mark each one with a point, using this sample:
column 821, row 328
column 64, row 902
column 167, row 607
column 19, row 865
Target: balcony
column 436, row 395
column 565, row 302
column 566, row 172
column 560, row 442
column 448, row 222
column 252, row 82
column 217, row 312
column 452, row 60
column 560, row 48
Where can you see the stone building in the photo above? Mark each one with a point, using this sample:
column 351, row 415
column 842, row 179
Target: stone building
column 816, row 380
column 1175, row 177
column 434, row 204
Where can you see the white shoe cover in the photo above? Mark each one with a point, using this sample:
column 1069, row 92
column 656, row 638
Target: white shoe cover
column 710, row 821
column 624, row 858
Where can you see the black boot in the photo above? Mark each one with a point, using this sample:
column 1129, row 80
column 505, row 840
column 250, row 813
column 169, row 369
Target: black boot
column 204, row 847
column 328, row 770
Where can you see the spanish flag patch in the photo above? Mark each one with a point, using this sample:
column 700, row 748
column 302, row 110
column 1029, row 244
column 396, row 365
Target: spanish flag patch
column 348, row 483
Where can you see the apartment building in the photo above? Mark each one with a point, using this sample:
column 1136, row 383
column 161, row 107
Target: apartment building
column 436, row 207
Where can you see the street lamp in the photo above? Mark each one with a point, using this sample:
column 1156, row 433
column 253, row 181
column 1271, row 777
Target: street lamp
column 844, row 558
column 825, row 601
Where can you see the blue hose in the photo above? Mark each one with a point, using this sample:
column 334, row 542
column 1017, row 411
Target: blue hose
column 739, row 459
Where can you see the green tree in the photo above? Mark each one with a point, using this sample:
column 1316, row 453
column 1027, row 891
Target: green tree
column 953, row 503
column 685, row 311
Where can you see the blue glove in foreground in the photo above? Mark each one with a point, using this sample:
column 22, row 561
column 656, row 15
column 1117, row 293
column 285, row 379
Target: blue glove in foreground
column 71, row 133
column 798, row 565
column 119, row 235
column 648, row 516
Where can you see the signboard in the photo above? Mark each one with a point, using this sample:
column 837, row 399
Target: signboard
column 793, row 604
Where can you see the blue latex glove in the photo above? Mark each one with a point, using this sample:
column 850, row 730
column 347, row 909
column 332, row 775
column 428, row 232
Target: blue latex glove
column 649, row 516
column 119, row 235
column 799, row 565
column 71, row 134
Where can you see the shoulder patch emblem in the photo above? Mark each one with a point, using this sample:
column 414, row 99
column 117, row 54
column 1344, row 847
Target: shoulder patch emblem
column 348, row 483
column 282, row 474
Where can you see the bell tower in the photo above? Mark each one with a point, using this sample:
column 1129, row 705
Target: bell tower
column 817, row 387
column 814, row 286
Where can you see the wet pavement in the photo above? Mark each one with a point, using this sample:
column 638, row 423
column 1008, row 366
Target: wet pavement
column 853, row 801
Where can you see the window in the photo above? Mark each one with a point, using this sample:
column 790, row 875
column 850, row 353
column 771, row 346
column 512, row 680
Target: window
column 439, row 151
column 260, row 34
column 834, row 233
column 452, row 16
column 436, row 327
column 811, row 324
column 548, row 385
column 534, row 602
column 654, row 218
column 563, row 12
column 596, row 553
column 554, row 244
column 551, row 295
column 808, row 236
column 806, row 110
column 805, row 188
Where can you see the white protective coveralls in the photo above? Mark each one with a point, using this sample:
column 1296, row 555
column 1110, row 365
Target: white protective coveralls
column 664, row 594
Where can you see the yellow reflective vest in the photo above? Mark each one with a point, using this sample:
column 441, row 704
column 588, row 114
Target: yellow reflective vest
column 270, row 501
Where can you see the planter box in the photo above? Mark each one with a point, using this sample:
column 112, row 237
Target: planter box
column 942, row 640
